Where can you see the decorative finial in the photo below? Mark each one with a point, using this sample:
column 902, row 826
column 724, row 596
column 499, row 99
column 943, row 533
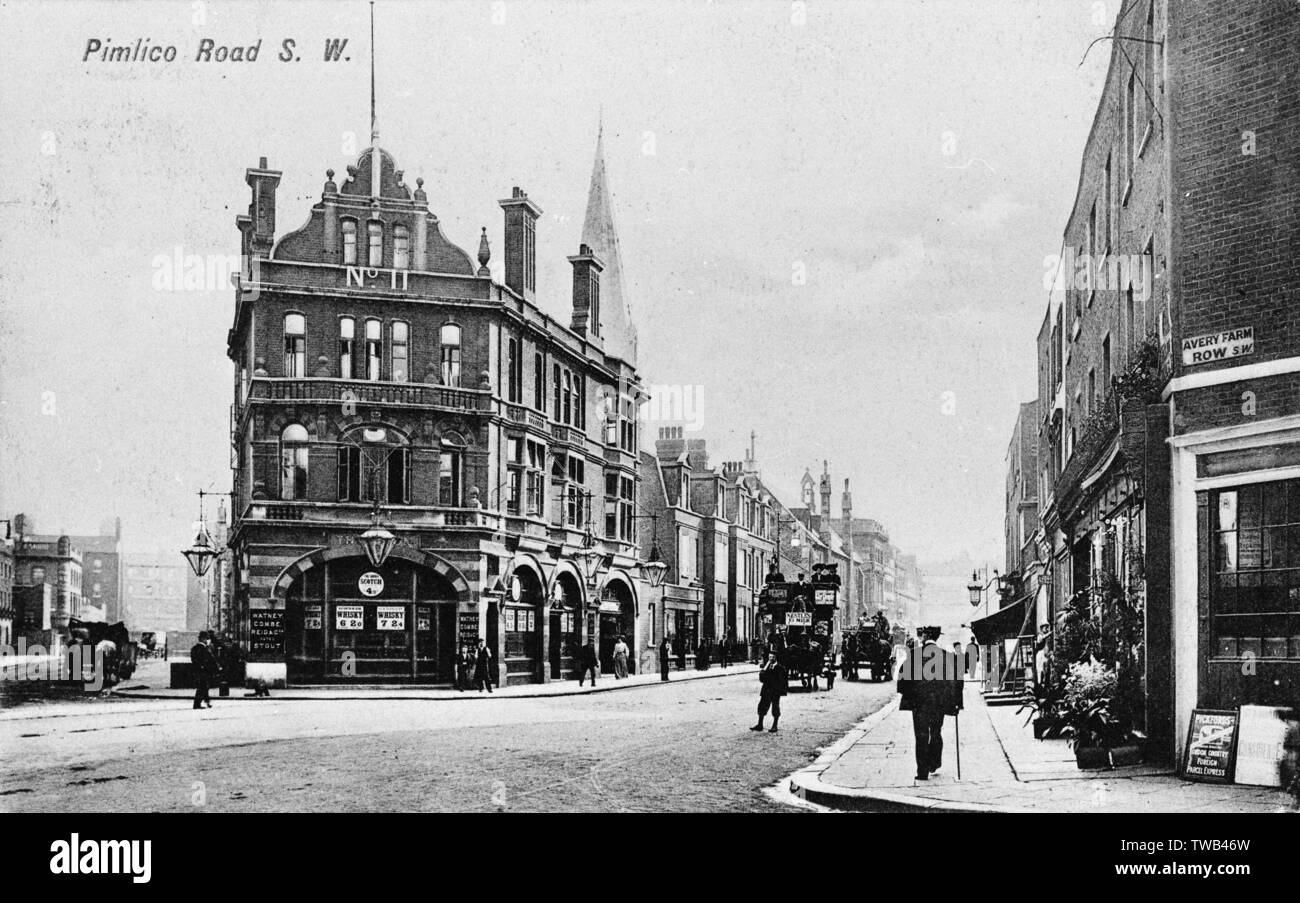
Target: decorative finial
column 484, row 254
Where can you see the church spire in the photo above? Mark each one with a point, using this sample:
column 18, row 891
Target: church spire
column 599, row 234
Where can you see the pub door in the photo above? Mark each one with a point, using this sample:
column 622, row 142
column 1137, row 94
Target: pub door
column 556, row 651
column 609, row 632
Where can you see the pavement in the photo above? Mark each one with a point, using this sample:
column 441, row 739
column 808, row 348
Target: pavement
column 1003, row 769
column 138, row 689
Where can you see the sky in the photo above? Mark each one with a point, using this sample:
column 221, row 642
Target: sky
column 834, row 218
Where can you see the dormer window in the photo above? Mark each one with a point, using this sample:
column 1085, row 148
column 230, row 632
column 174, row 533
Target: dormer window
column 376, row 236
column 295, row 345
column 349, row 242
column 401, row 248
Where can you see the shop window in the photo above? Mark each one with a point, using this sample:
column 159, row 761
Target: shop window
column 1255, row 586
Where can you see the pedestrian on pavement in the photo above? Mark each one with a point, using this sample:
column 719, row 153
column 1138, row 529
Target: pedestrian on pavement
column 621, row 653
column 483, row 667
column 464, row 667
column 680, row 643
column 587, row 661
column 772, row 678
column 204, row 666
column 663, row 659
column 724, row 652
column 931, row 687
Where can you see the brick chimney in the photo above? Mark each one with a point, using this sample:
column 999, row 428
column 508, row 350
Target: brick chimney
column 670, row 444
column 587, row 268
column 521, row 243
column 259, row 228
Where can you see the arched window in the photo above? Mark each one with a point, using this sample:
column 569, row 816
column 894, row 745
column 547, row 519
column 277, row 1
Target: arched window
column 449, row 336
column 376, row 235
column 293, row 462
column 374, row 348
column 401, row 351
column 350, row 242
column 347, row 343
column 401, row 248
column 295, row 345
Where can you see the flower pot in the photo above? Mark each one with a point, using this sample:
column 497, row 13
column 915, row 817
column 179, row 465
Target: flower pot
column 1089, row 757
column 1041, row 726
column 1126, row 754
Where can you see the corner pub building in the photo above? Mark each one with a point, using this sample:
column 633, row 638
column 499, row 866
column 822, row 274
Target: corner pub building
column 384, row 380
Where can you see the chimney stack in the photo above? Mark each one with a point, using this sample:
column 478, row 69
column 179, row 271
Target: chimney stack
column 587, row 268
column 521, row 243
column 259, row 228
column 670, row 444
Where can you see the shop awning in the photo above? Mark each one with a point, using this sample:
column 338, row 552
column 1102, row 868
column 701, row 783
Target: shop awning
column 1003, row 624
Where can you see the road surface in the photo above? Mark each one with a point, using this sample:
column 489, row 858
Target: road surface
column 682, row 747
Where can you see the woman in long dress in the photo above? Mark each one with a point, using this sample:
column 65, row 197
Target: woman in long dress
column 620, row 659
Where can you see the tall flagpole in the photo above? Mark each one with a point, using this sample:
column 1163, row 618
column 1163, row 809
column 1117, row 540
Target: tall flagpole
column 374, row 133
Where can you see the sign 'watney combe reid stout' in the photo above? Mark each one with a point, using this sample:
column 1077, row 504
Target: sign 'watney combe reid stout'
column 265, row 632
column 1211, row 747
column 1219, row 346
column 370, row 584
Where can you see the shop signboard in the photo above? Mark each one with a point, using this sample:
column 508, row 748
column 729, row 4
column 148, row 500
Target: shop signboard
column 1266, row 738
column 1211, row 746
column 370, row 584
column 390, row 617
column 469, row 627
column 266, row 633
column 824, row 597
column 798, row 619
column 312, row 618
column 349, row 617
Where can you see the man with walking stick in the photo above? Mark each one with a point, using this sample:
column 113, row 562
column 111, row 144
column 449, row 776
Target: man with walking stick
column 930, row 684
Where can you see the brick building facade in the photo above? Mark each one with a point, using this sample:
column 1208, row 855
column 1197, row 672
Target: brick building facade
column 1169, row 327
column 379, row 367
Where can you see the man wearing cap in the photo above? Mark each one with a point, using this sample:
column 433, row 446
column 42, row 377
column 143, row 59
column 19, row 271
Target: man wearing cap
column 931, row 687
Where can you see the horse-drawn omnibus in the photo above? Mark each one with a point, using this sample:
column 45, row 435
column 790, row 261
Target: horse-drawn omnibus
column 800, row 625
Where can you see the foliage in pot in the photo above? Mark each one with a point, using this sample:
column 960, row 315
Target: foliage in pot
column 1044, row 707
column 1088, row 718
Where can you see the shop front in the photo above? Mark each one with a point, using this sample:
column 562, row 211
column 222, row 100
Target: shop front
column 521, row 623
column 565, row 628
column 346, row 620
column 1237, row 568
column 617, row 619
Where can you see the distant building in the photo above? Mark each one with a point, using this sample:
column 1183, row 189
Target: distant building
column 6, row 593
column 53, row 560
column 155, row 592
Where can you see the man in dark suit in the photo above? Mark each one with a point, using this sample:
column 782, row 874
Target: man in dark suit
column 664, row 654
column 773, row 679
column 204, row 666
column 587, row 661
column 483, row 667
column 931, row 687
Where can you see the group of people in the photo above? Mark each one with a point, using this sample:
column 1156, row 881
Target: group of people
column 474, row 667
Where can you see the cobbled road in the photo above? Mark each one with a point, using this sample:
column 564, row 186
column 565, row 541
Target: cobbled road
column 683, row 747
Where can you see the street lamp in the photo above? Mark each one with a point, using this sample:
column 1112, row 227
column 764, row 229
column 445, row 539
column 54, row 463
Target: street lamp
column 590, row 558
column 974, row 589
column 201, row 554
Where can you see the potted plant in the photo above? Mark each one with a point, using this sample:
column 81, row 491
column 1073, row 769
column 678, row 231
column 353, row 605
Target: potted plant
column 1088, row 719
column 1044, row 707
